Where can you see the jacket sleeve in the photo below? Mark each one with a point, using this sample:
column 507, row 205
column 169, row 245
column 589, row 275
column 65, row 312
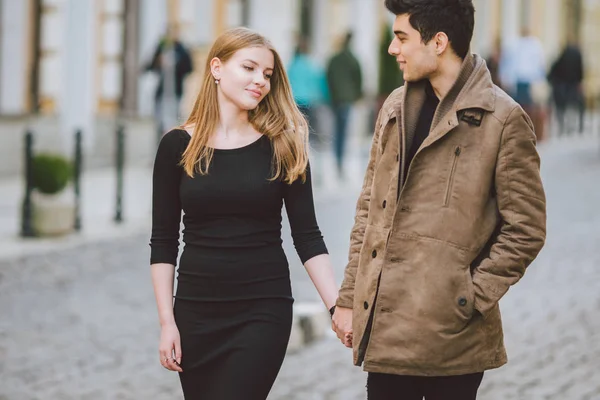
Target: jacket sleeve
column 522, row 208
column 187, row 64
column 166, row 204
column 299, row 206
column 154, row 64
column 346, row 293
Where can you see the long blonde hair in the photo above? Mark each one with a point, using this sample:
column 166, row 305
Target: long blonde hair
column 276, row 116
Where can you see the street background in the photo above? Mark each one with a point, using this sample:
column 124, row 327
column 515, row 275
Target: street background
column 77, row 313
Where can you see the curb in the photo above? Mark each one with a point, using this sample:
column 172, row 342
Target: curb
column 311, row 322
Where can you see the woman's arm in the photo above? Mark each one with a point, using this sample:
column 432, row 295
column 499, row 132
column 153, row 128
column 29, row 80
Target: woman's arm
column 162, row 280
column 164, row 243
column 321, row 274
column 311, row 249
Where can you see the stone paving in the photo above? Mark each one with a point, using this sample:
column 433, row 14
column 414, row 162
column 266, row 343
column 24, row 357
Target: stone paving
column 81, row 323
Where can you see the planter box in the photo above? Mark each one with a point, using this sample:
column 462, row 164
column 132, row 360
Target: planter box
column 53, row 215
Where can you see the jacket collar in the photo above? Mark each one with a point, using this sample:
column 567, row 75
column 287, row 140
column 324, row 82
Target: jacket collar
column 473, row 89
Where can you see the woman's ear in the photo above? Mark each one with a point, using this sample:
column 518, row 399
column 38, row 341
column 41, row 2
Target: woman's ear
column 215, row 68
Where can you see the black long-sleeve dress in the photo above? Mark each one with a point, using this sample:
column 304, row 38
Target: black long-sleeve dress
column 233, row 304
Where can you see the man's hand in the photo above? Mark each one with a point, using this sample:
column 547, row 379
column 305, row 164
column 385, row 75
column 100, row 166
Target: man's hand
column 341, row 323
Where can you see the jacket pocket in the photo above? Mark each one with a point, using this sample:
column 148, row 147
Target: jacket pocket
column 450, row 184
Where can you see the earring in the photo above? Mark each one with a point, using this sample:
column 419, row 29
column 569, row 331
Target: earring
column 217, row 81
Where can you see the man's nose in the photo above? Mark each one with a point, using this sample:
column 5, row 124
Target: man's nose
column 393, row 49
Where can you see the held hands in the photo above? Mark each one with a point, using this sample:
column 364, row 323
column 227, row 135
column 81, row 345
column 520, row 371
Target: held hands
column 170, row 348
column 341, row 324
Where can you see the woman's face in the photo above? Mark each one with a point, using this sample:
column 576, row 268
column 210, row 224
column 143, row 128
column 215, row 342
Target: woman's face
column 245, row 79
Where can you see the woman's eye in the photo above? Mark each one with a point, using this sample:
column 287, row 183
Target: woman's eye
column 268, row 76
column 247, row 68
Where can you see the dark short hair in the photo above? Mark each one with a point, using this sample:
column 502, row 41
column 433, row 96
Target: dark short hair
column 456, row 18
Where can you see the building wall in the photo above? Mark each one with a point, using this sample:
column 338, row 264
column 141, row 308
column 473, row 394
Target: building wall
column 153, row 21
column 81, row 49
column 590, row 43
column 14, row 57
column 109, row 67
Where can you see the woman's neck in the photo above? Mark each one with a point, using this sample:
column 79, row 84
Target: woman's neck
column 232, row 120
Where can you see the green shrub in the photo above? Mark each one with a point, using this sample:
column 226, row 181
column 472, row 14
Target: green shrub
column 51, row 173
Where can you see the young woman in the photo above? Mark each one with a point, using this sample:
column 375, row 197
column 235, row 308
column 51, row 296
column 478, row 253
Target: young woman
column 241, row 154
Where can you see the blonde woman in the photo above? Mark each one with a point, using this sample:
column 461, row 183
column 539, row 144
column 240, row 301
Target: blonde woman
column 239, row 157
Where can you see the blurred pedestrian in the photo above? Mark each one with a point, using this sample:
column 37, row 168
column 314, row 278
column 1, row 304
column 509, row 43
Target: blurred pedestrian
column 172, row 62
column 493, row 62
column 344, row 78
column 451, row 213
column 566, row 77
column 241, row 155
column 523, row 73
column 309, row 87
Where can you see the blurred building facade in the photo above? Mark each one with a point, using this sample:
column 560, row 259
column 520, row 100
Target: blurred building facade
column 552, row 21
column 68, row 64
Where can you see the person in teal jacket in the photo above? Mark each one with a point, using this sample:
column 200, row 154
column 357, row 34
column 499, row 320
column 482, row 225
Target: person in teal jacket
column 309, row 85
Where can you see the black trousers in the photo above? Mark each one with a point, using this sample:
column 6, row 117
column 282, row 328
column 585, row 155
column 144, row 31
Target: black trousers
column 403, row 387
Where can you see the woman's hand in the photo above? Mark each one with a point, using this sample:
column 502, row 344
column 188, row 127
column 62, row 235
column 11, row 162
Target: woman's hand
column 341, row 324
column 170, row 348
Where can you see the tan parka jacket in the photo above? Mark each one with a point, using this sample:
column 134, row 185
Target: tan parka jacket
column 426, row 269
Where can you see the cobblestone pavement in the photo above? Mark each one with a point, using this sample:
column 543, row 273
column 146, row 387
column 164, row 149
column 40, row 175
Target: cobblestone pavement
column 81, row 323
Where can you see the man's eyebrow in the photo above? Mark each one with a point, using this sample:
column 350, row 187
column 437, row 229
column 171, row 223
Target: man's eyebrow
column 399, row 32
column 255, row 63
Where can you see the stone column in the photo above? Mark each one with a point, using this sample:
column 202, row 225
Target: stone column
column 153, row 24
column 366, row 42
column 511, row 19
column 14, row 49
column 78, row 91
column 278, row 20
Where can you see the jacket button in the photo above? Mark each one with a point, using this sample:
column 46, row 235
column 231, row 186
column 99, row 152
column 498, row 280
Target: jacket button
column 374, row 253
column 366, row 305
column 397, row 157
column 462, row 302
column 384, row 204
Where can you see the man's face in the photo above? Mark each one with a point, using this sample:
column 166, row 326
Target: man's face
column 417, row 60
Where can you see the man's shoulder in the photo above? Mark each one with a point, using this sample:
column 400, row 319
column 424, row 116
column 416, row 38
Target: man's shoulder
column 504, row 106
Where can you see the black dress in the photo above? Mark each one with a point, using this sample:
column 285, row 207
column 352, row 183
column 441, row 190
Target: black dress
column 233, row 304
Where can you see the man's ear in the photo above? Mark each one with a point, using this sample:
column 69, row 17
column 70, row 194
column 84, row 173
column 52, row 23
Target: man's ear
column 441, row 42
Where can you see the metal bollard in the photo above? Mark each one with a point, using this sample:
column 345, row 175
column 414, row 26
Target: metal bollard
column 26, row 211
column 120, row 163
column 77, row 178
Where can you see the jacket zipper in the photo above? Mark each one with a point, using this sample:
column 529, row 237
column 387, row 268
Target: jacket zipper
column 457, row 151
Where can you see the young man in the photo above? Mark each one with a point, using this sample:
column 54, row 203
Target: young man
column 451, row 213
